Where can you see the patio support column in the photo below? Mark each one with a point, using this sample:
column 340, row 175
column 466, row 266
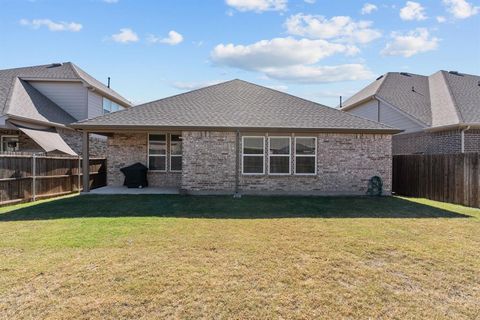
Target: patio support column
column 85, row 162
column 237, row 164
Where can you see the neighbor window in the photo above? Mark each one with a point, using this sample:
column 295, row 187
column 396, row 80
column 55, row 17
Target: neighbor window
column 279, row 155
column 305, row 155
column 253, row 155
column 175, row 152
column 110, row 106
column 157, row 152
column 10, row 143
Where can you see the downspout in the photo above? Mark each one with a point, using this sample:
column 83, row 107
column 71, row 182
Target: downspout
column 237, row 165
column 462, row 136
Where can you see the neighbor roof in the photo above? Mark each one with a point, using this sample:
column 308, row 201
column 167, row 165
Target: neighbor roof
column 443, row 98
column 55, row 72
column 233, row 104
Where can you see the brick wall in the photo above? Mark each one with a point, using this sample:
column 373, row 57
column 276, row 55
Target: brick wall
column 436, row 142
column 345, row 163
column 126, row 149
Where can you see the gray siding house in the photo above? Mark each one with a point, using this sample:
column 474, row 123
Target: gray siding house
column 37, row 104
column 239, row 137
column 439, row 113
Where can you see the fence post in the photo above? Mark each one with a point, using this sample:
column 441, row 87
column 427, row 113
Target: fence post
column 79, row 187
column 34, row 172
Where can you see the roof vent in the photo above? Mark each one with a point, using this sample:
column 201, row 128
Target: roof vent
column 455, row 73
column 53, row 65
column 379, row 77
column 405, row 74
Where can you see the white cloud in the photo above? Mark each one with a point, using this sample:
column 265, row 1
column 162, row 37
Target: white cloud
column 320, row 74
column 461, row 9
column 125, row 35
column 411, row 43
column 413, row 11
column 368, row 8
column 441, row 19
column 51, row 25
column 290, row 60
column 340, row 28
column 194, row 85
column 258, row 5
column 173, row 38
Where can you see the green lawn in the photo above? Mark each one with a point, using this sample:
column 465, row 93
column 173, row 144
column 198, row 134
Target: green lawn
column 114, row 257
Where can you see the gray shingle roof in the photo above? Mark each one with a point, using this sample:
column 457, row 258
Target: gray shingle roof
column 233, row 104
column 443, row 98
column 27, row 102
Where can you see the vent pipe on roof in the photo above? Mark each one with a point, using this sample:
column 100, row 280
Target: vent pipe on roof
column 413, row 88
column 340, row 102
column 108, row 82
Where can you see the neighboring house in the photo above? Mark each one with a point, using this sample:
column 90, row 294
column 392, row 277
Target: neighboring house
column 238, row 137
column 438, row 113
column 37, row 103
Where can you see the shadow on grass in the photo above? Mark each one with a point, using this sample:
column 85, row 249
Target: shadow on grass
column 226, row 207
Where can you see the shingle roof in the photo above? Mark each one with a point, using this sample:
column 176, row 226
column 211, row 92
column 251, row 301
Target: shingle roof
column 233, row 104
column 443, row 98
column 27, row 102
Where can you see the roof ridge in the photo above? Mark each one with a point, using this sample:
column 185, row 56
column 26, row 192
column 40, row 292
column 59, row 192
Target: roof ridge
column 450, row 93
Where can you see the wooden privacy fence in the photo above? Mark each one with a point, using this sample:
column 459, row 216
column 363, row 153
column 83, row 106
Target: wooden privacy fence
column 450, row 178
column 27, row 177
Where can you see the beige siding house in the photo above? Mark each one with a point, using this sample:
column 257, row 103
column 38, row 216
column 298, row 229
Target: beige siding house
column 238, row 137
column 438, row 113
column 40, row 101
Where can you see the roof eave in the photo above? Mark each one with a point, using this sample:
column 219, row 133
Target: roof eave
column 25, row 119
column 474, row 125
column 131, row 128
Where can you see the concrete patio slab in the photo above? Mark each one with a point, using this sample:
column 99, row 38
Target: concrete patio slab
column 125, row 190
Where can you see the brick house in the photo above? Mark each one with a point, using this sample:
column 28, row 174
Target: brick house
column 37, row 103
column 439, row 113
column 238, row 137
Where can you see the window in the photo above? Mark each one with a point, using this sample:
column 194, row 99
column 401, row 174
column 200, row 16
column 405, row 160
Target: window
column 110, row 106
column 175, row 152
column 10, row 144
column 253, row 155
column 305, row 155
column 279, row 155
column 157, row 152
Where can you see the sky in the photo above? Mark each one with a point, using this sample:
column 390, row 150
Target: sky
column 316, row 49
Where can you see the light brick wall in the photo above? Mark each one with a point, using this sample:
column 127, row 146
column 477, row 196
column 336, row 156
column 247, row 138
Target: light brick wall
column 436, row 142
column 345, row 163
column 126, row 149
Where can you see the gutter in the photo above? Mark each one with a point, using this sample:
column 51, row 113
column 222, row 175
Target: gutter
column 47, row 123
column 454, row 126
column 462, row 135
column 141, row 128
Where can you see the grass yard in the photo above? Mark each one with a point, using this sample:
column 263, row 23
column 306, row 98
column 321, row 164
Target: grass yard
column 114, row 257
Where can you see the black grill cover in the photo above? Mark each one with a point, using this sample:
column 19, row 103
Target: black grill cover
column 135, row 176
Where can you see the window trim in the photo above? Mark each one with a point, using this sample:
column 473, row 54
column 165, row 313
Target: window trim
column 9, row 136
column 280, row 155
column 170, row 152
column 305, row 156
column 157, row 155
column 253, row 155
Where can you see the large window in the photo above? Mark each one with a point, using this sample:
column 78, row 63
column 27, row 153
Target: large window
column 110, row 106
column 253, row 155
column 305, row 155
column 175, row 152
column 157, row 152
column 9, row 144
column 279, row 155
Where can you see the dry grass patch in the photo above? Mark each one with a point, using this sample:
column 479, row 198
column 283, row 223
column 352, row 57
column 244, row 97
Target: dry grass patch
column 215, row 257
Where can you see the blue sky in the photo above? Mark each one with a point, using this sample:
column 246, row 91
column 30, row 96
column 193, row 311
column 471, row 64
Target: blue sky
column 314, row 49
